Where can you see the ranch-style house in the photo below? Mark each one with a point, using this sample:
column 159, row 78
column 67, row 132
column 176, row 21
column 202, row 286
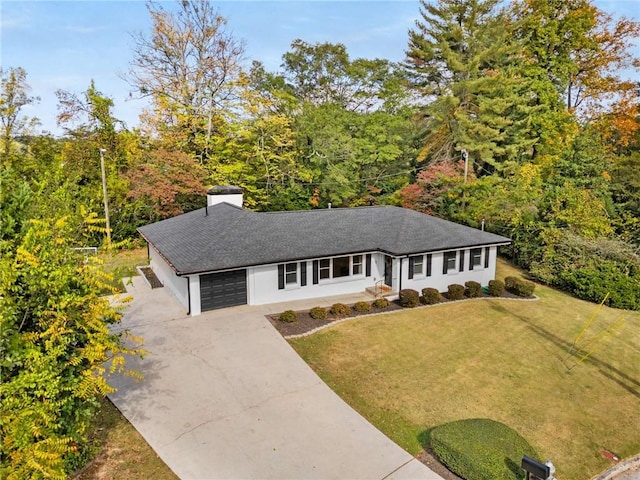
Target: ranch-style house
column 223, row 255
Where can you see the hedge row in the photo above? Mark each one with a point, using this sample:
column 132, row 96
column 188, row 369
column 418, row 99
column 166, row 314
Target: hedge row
column 337, row 310
column 410, row 298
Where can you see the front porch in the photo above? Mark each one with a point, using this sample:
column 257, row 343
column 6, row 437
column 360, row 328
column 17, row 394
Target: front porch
column 382, row 290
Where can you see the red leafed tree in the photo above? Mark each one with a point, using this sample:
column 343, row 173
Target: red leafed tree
column 166, row 183
column 431, row 185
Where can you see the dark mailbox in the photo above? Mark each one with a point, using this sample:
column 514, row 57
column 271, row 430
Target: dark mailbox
column 536, row 468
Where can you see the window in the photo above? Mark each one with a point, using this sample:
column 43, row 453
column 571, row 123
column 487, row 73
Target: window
column 328, row 268
column 475, row 259
column 291, row 273
column 340, row 267
column 325, row 268
column 356, row 268
column 416, row 265
column 449, row 264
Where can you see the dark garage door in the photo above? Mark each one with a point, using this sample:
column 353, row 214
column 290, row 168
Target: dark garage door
column 226, row 289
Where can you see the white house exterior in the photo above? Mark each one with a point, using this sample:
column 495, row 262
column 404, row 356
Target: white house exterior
column 223, row 255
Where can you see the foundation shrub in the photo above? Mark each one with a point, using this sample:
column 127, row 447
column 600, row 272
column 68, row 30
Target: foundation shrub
column 496, row 288
column 362, row 307
column 409, row 298
column 318, row 313
column 525, row 289
column 510, row 283
column 519, row 287
column 431, row 296
column 480, row 449
column 472, row 289
column 288, row 316
column 339, row 310
column 380, row 303
column 455, row 291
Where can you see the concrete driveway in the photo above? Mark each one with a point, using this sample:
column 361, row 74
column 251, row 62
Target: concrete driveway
column 224, row 396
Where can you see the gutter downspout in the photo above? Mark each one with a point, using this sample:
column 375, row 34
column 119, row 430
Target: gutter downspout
column 188, row 294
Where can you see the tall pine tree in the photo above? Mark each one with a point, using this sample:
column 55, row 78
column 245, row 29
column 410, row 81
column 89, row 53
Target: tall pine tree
column 466, row 66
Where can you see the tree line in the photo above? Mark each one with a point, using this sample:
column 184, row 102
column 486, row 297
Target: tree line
column 513, row 117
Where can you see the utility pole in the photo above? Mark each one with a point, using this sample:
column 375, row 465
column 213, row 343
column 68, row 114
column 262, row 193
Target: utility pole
column 465, row 155
column 104, row 193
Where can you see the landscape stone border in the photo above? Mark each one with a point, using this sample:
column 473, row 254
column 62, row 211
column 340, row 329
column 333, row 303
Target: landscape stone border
column 620, row 468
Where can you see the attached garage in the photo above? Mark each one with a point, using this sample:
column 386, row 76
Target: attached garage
column 225, row 289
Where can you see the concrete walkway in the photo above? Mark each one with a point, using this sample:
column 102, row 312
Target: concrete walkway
column 224, row 396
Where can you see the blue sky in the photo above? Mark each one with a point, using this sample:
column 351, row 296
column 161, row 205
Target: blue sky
column 66, row 44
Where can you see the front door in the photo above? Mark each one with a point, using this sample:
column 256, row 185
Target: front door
column 388, row 270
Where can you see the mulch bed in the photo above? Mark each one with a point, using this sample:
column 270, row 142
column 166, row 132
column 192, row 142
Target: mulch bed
column 431, row 460
column 151, row 277
column 305, row 323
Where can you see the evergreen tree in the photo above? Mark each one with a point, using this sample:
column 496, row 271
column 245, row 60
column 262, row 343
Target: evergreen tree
column 466, row 66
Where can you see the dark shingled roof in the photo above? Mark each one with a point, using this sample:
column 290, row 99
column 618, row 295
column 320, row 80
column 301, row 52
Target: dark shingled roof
column 230, row 237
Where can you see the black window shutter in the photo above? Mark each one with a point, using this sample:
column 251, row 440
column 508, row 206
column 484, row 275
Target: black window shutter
column 368, row 265
column 445, row 262
column 471, row 260
column 412, row 262
column 486, row 257
column 428, row 265
column 462, row 260
column 280, row 277
column 316, row 273
column 303, row 274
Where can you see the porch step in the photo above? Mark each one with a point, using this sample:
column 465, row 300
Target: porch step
column 383, row 291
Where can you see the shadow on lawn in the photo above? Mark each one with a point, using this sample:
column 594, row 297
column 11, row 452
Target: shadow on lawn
column 630, row 384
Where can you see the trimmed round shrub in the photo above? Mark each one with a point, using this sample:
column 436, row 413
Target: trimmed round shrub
column 318, row 313
column 481, row 449
column 362, row 307
column 496, row 288
column 339, row 310
column 455, row 291
column 381, row 302
column 409, row 298
column 510, row 283
column 431, row 296
column 472, row 289
column 519, row 287
column 288, row 316
column 525, row 289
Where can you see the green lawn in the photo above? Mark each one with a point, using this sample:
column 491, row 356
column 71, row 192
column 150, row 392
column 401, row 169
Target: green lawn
column 121, row 451
column 122, row 264
column 500, row 359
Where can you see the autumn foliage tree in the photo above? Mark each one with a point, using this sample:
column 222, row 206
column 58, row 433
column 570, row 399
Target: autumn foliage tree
column 55, row 338
column 581, row 49
column 187, row 65
column 14, row 96
column 165, row 183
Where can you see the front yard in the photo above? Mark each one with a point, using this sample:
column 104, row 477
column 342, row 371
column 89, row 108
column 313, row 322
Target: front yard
column 505, row 360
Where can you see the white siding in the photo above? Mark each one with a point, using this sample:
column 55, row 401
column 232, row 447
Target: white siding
column 194, row 291
column 263, row 283
column 176, row 285
column 441, row 281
